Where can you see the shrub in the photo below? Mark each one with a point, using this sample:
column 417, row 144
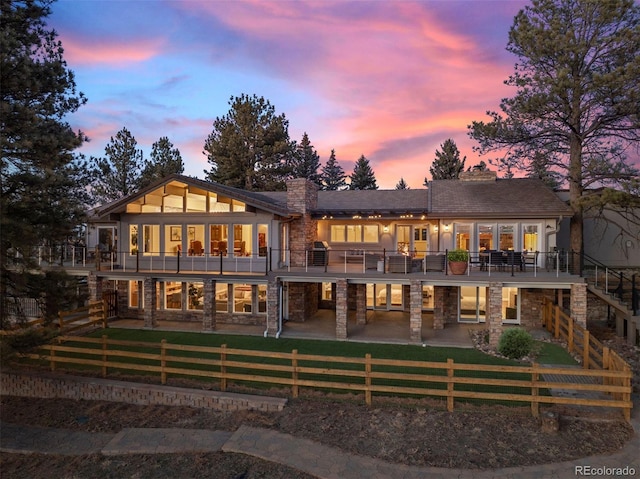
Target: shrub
column 515, row 343
column 458, row 255
column 25, row 341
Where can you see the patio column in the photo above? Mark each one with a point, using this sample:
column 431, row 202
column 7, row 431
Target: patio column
column 438, row 307
column 94, row 282
column 273, row 306
column 361, row 303
column 209, row 306
column 415, row 310
column 494, row 313
column 341, row 308
column 150, row 301
column 578, row 303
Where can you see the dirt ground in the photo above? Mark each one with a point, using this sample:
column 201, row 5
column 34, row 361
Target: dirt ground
column 406, row 432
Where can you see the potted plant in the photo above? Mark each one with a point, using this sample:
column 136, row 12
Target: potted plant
column 458, row 261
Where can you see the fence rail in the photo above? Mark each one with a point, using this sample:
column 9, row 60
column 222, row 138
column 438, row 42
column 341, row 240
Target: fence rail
column 449, row 381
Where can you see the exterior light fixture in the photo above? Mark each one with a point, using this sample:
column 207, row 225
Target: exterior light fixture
column 385, row 228
column 446, row 228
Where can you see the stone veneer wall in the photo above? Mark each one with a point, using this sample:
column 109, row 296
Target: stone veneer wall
column 303, row 300
column 302, row 197
column 46, row 385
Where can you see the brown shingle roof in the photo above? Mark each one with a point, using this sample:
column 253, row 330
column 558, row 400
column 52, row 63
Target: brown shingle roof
column 517, row 197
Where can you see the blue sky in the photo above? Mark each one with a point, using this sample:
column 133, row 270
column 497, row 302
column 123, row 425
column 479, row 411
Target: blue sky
column 388, row 79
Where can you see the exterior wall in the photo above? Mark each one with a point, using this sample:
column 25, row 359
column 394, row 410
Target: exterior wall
column 445, row 306
column 531, row 306
column 302, row 197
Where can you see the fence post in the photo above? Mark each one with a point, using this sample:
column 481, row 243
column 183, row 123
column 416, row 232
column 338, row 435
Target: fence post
column 606, row 380
column 60, row 320
column 367, row 379
column 104, row 314
column 570, row 335
column 450, row 385
column 556, row 324
column 627, row 395
column 163, row 361
column 294, row 373
column 535, row 377
column 585, row 349
column 105, row 356
column 52, row 357
column 223, row 368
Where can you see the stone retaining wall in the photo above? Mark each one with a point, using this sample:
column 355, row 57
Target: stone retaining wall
column 48, row 385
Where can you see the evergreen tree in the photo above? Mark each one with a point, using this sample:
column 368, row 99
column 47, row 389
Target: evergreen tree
column 447, row 164
column 362, row 177
column 306, row 161
column 577, row 81
column 42, row 183
column 402, row 185
column 249, row 148
column 333, row 176
column 118, row 173
column 165, row 160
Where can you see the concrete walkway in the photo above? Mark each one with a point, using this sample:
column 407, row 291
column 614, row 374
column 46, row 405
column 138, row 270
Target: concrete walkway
column 311, row 457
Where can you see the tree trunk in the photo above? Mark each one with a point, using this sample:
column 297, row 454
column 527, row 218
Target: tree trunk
column 575, row 195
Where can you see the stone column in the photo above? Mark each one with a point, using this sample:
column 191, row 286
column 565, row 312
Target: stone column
column 150, row 300
column 341, row 308
column 209, row 306
column 494, row 314
column 302, row 197
column 579, row 303
column 415, row 310
column 94, row 282
column 361, row 303
column 438, row 307
column 273, row 306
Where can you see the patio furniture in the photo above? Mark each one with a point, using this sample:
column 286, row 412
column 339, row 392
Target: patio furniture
column 497, row 260
column 434, row 262
column 399, row 263
column 514, row 258
column 530, row 259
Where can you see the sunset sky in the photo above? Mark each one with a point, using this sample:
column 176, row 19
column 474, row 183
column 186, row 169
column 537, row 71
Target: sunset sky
column 388, row 79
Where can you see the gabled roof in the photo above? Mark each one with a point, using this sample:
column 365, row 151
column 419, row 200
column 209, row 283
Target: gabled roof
column 517, row 197
column 255, row 199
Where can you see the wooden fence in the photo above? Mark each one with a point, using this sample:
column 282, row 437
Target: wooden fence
column 94, row 314
column 449, row 381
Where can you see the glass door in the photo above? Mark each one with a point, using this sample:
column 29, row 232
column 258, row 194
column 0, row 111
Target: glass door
column 472, row 304
column 403, row 239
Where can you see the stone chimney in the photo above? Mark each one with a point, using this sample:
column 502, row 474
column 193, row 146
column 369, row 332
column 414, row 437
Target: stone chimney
column 478, row 175
column 302, row 198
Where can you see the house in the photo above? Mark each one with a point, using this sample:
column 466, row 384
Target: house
column 183, row 249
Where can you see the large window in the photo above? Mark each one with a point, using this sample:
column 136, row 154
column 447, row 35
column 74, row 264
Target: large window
column 485, row 237
column 173, row 295
column 222, row 297
column 135, row 294
column 262, row 298
column 242, row 239
column 463, row 236
column 219, row 239
column 195, row 236
column 172, row 240
column 510, row 308
column 357, row 233
column 473, row 304
column 242, row 298
column 151, row 239
column 195, row 293
column 506, row 237
column 530, row 238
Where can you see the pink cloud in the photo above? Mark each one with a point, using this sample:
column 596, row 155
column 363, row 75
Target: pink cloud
column 110, row 51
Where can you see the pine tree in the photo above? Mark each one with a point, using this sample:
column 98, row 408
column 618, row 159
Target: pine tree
column 165, row 160
column 42, row 182
column 447, row 164
column 306, row 161
column 402, row 185
column 249, row 147
column 362, row 177
column 333, row 176
column 118, row 173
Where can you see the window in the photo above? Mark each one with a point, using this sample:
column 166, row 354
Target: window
column 485, row 237
column 327, row 293
column 262, row 298
column 222, row 297
column 133, row 239
column 242, row 239
column 196, row 203
column 506, row 237
column 173, row 295
column 196, row 296
column 172, row 204
column 263, row 236
column 510, row 309
column 195, row 236
column 151, row 239
column 355, row 233
column 472, row 304
column 172, row 240
column 135, row 294
column 530, row 238
column 427, row 297
column 219, row 239
column 463, row 236
column 403, row 239
column 242, row 298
